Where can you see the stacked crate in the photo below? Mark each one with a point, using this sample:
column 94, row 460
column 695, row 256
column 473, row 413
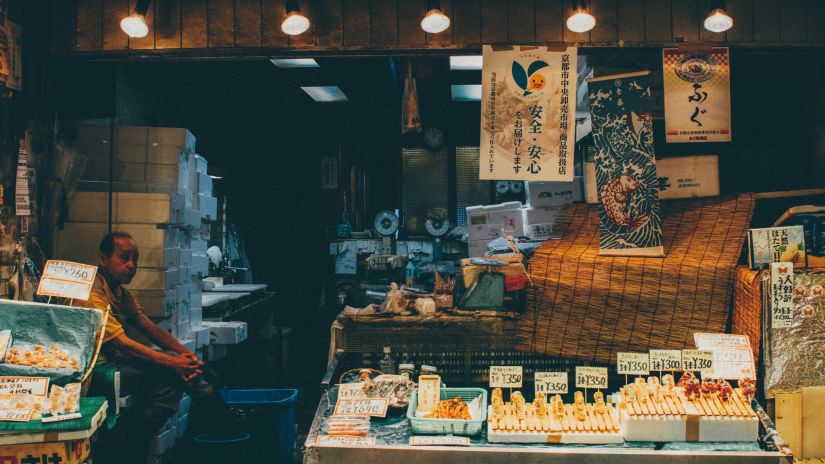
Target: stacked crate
column 163, row 198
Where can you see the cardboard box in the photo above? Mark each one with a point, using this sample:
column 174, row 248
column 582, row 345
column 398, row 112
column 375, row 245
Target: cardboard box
column 79, row 242
column 226, row 333
column 156, row 303
column 127, row 207
column 183, row 425
column 134, row 135
column 547, row 194
column 154, row 279
column 130, row 153
column 195, row 316
column 685, row 177
column 171, row 136
column 488, row 222
column 166, row 155
column 184, row 406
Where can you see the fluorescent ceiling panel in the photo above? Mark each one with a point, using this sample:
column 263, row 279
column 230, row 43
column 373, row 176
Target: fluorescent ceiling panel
column 466, row 92
column 465, row 63
column 330, row 93
column 295, row 63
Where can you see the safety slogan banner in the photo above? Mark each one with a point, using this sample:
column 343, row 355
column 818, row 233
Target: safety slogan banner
column 697, row 95
column 528, row 113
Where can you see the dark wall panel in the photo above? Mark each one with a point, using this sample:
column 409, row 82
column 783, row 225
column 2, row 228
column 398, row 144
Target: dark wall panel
column 549, row 21
column 89, row 25
column 356, row 23
column 606, row 30
column 148, row 42
column 657, row 21
column 446, row 37
column 113, row 36
column 271, row 34
column 410, row 13
column 631, row 20
column 467, row 21
column 521, row 21
column 168, row 24
column 494, row 21
column 685, row 19
column 248, row 16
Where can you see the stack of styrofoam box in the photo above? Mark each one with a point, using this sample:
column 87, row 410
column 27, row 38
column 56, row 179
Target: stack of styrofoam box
column 485, row 223
column 544, row 201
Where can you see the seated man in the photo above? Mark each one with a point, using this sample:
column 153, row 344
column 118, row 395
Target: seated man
column 157, row 379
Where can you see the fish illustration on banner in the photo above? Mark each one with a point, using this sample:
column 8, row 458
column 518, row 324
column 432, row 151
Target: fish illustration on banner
column 528, row 113
column 697, row 95
column 628, row 188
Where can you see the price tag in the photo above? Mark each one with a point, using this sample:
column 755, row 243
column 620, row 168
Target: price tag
column 429, row 392
column 15, row 386
column 373, row 407
column 449, row 440
column 351, row 390
column 551, row 382
column 591, row 377
column 15, row 414
column 697, row 360
column 633, row 363
column 781, row 295
column 505, row 376
column 67, row 279
column 665, row 360
column 343, row 440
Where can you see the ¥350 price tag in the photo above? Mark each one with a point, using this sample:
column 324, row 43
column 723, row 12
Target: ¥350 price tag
column 665, row 360
column 697, row 360
column 551, row 382
column 633, row 363
column 506, row 376
column 591, row 377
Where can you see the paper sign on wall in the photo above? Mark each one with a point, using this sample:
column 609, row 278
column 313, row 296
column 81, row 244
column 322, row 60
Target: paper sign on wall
column 551, row 382
column 732, row 355
column 633, row 363
column 665, row 360
column 591, row 377
column 697, row 360
column 342, row 440
column 373, row 407
column 67, row 280
column 781, row 295
column 506, row 376
column 15, row 386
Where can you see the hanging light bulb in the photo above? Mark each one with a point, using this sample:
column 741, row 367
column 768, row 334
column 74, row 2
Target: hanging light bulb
column 295, row 23
column 581, row 20
column 435, row 20
column 718, row 21
column 135, row 25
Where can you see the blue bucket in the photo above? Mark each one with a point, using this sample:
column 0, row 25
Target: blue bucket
column 221, row 448
column 270, row 419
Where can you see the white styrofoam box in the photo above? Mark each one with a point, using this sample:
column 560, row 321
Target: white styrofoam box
column 183, row 425
column 200, row 264
column 171, row 257
column 546, row 194
column 204, row 184
column 167, row 325
column 164, row 441
column 134, row 135
column 216, row 351
column 185, row 405
column 188, row 343
column 209, row 206
column 477, row 248
column 131, row 173
column 192, row 217
column 538, row 231
column 195, row 317
column 184, row 275
column 182, row 294
column 162, row 173
column 200, row 164
column 156, row 303
column 199, row 245
column 182, row 313
column 226, row 333
column 171, row 136
column 154, row 279
column 185, row 257
column 79, row 242
column 185, row 239
column 493, row 221
column 201, row 335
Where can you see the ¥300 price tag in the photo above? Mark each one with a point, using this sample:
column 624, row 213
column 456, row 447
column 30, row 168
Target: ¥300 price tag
column 551, row 382
column 665, row 360
column 697, row 360
column 591, row 377
column 373, row 407
column 633, row 363
column 506, row 376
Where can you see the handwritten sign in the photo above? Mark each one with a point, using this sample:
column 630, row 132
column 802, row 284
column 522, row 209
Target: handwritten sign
column 781, row 295
column 665, row 360
column 429, row 392
column 633, row 363
column 551, row 382
column 448, row 440
column 15, row 414
column 697, row 360
column 373, row 407
column 591, row 377
column 67, row 279
column 351, row 390
column 732, row 355
column 343, row 440
column 506, row 376
column 15, row 386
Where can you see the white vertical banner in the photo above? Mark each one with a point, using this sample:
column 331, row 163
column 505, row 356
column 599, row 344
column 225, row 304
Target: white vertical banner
column 528, row 113
column 782, row 288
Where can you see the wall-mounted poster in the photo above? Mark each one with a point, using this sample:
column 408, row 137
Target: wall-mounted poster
column 528, row 113
column 626, row 181
column 697, row 94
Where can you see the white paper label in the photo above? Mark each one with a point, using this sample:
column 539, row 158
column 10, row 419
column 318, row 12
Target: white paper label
column 351, row 390
column 448, row 440
column 429, row 392
column 665, row 360
column 633, row 363
column 15, row 414
column 781, row 295
column 697, row 360
column 16, row 386
column 506, row 376
column 551, row 382
column 67, row 279
column 732, row 355
column 342, row 440
column 591, row 377
column 61, row 418
column 373, row 407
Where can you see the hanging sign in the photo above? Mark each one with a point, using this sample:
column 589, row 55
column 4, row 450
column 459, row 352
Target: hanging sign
column 633, row 363
column 506, row 376
column 782, row 288
column 67, row 279
column 626, row 181
column 697, row 95
column 551, row 382
column 528, row 113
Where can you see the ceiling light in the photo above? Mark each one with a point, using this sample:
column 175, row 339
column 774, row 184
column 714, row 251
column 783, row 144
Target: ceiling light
column 466, row 92
column 435, row 20
column 718, row 21
column 465, row 63
column 295, row 63
column 325, row 94
column 135, row 25
column 581, row 20
column 295, row 23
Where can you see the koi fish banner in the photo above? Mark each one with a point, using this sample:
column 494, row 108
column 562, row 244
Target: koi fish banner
column 628, row 189
column 697, row 95
column 528, row 114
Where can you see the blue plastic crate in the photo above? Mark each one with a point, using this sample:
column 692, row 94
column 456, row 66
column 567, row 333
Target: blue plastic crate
column 271, row 413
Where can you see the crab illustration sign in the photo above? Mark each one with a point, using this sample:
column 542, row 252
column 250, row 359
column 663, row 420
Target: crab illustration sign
column 628, row 189
column 528, row 113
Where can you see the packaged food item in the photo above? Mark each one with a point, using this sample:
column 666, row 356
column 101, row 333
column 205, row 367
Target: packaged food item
column 5, row 343
column 71, row 400
column 355, row 426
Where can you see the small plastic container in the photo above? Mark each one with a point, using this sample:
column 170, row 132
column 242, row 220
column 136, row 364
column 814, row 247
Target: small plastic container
column 216, row 448
column 270, row 420
column 422, row 425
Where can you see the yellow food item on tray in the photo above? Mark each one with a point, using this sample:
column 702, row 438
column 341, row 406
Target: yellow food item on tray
column 451, row 409
column 38, row 356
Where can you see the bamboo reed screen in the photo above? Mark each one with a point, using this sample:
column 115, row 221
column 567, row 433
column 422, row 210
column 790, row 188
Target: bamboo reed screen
column 747, row 305
column 590, row 307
